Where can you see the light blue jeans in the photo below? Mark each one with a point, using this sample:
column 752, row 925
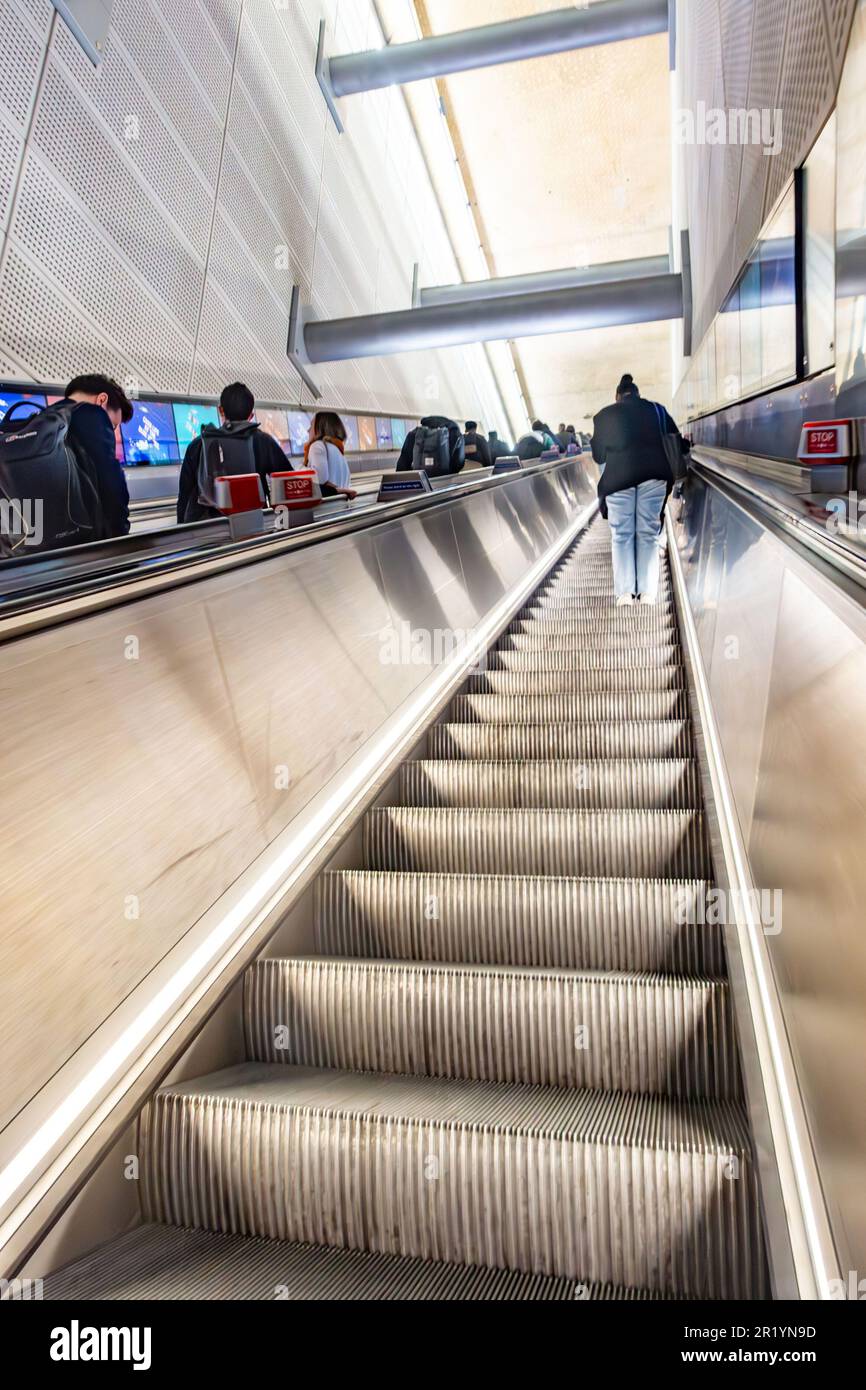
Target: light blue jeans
column 634, row 515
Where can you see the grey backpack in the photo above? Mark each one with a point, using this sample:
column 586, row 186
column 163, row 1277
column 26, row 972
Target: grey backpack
column 225, row 452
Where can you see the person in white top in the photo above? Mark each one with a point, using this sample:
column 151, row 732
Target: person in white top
column 325, row 451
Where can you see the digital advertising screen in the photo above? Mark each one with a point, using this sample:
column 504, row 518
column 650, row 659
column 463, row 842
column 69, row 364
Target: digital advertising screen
column 276, row 424
column 188, row 420
column 383, row 434
column 150, row 435
column 367, row 432
column 299, row 430
column 398, row 433
column 353, row 444
column 10, row 398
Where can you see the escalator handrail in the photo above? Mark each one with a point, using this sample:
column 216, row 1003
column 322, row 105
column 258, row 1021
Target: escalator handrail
column 129, row 579
column 828, row 546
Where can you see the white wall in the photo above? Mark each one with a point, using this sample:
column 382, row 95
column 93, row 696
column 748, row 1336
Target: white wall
column 155, row 211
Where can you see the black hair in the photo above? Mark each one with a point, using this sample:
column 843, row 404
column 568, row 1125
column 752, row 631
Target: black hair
column 570, row 429
column 471, row 425
column 95, row 384
column 537, row 425
column 492, row 434
column 627, row 386
column 237, row 401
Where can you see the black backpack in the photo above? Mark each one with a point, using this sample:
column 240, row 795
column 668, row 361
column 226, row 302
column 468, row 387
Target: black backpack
column 432, row 450
column 225, row 453
column 49, row 492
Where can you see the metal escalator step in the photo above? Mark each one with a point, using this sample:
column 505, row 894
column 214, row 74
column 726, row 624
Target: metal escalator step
column 481, row 708
column 664, row 784
column 597, row 844
column 156, row 1262
column 605, row 1030
column 582, row 658
column 596, row 605
column 575, row 682
column 578, row 923
column 633, row 621
column 547, row 637
column 566, row 636
column 671, row 738
column 641, row 1191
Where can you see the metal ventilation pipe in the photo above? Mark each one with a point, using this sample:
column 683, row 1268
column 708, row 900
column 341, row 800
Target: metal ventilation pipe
column 642, row 268
column 603, row 305
column 557, row 31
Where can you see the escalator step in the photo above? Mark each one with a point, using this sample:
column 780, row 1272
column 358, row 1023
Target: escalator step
column 598, row 844
column 582, row 658
column 540, row 636
column 666, row 784
column 605, row 1030
column 572, row 682
column 641, row 1191
column 671, row 738
column 167, row 1262
column 603, row 706
column 596, row 923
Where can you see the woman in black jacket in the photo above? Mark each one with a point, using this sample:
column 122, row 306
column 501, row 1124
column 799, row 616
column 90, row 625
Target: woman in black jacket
column 635, row 481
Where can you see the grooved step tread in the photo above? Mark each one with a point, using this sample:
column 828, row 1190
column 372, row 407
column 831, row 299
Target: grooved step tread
column 642, row 740
column 614, row 923
column 601, row 1029
column 612, row 783
column 169, row 1262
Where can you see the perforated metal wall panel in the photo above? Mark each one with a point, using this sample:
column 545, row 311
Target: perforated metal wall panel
column 160, row 206
column 764, row 55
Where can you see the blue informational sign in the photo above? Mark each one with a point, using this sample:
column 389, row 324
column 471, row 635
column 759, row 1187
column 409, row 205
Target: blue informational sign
column 150, row 436
column 188, row 420
column 398, row 433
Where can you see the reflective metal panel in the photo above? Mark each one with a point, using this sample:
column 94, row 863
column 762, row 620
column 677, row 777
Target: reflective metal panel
column 785, row 652
column 153, row 750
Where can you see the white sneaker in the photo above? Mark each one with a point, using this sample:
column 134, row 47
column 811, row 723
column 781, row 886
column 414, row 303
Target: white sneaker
column 624, row 601
column 645, row 598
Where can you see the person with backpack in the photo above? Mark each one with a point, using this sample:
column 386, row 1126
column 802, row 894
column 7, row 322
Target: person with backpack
column 642, row 453
column 325, row 451
column 61, row 483
column 475, row 445
column 436, row 445
column 497, row 447
column 530, row 446
column 236, row 445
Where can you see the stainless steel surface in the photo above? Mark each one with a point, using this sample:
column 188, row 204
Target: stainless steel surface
column 782, row 643
column 567, row 279
column 540, row 1100
column 555, row 31
column 211, row 765
column 601, row 305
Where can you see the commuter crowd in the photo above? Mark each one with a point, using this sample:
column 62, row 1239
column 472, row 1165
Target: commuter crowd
column 66, row 455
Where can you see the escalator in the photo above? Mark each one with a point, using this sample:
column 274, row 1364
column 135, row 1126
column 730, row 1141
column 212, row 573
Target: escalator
column 510, row 1070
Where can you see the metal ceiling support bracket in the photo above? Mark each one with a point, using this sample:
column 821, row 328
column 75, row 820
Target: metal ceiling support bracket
column 416, row 291
column 568, row 279
column 688, row 307
column 605, row 305
column 323, row 77
column 535, row 36
column 295, row 349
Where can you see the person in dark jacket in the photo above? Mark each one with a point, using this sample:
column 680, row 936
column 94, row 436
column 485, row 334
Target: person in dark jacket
column 103, row 408
column 562, row 438
column 455, row 443
column 530, row 446
column 476, row 445
column 236, row 407
column 633, row 488
column 497, row 447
